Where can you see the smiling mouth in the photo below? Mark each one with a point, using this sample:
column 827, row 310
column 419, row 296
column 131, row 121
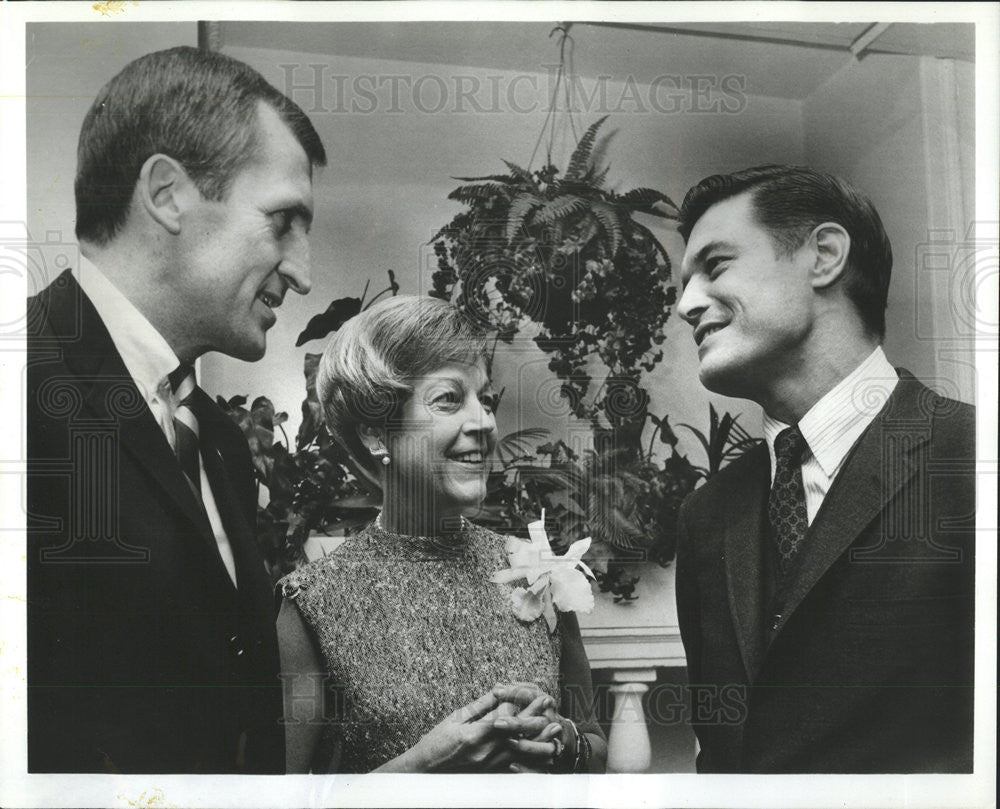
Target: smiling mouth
column 706, row 330
column 474, row 458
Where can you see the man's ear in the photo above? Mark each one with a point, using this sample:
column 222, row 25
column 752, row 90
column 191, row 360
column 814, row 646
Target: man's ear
column 163, row 189
column 832, row 245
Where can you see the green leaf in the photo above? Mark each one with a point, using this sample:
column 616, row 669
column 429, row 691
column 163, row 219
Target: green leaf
column 495, row 178
column 726, row 440
column 597, row 179
column 335, row 316
column 475, row 193
column 455, row 226
column 739, row 433
column 580, row 160
column 699, row 435
column 646, row 200
column 518, row 173
column 516, row 444
column 540, row 476
column 667, row 435
column 520, row 208
column 741, row 447
column 560, row 208
column 656, row 243
column 608, row 216
column 611, row 522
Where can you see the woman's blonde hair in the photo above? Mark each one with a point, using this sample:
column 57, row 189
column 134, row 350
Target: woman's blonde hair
column 365, row 374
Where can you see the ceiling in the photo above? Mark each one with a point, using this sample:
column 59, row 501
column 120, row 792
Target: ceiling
column 784, row 60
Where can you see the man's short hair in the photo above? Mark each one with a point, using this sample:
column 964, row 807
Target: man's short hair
column 367, row 371
column 789, row 201
column 197, row 106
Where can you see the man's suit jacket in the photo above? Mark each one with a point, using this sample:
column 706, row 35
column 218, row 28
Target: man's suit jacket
column 142, row 655
column 863, row 662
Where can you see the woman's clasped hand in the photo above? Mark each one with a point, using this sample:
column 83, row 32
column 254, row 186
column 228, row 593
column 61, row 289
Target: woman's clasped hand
column 554, row 748
column 511, row 728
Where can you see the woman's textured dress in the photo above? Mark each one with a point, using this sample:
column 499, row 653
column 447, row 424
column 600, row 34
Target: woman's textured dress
column 411, row 628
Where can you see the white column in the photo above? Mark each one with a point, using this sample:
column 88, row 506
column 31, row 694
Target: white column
column 949, row 263
column 628, row 742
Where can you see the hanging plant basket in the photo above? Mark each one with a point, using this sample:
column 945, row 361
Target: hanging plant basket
column 561, row 250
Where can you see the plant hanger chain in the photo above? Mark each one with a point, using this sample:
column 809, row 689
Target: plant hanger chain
column 564, row 80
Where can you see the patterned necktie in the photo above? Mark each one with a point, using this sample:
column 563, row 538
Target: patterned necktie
column 786, row 506
column 182, row 383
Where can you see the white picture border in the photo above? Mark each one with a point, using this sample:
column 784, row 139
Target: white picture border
column 17, row 788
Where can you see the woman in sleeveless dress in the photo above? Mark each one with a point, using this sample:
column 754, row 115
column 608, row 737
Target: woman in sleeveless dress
column 400, row 651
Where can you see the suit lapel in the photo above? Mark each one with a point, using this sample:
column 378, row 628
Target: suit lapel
column 110, row 394
column 225, row 497
column 253, row 582
column 740, row 520
column 885, row 459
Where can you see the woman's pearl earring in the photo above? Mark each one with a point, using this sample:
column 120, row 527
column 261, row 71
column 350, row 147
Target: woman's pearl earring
column 381, row 453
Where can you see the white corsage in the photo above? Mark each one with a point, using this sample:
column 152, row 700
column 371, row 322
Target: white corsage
column 553, row 581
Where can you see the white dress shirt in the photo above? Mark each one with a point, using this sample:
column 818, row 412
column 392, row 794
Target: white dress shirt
column 148, row 359
column 834, row 424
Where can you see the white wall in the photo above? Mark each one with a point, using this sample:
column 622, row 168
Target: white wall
column 68, row 64
column 899, row 127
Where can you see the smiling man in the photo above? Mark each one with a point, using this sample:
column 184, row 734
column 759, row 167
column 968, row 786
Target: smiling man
column 151, row 640
column 829, row 572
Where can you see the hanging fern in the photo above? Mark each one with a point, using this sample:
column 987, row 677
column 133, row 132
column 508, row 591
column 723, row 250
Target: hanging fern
column 608, row 216
column 560, row 208
column 644, row 200
column 563, row 251
column 660, row 249
column 470, row 193
column 580, row 160
column 596, row 178
column 518, row 174
column 520, row 209
column 494, row 178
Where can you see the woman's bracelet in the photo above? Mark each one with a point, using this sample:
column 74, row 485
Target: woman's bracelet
column 583, row 753
column 560, row 762
column 581, row 758
column 581, row 761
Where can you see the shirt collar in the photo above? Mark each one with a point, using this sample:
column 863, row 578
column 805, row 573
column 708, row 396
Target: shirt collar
column 836, row 421
column 146, row 354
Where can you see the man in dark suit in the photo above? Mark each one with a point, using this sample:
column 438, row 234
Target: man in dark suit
column 151, row 640
column 828, row 573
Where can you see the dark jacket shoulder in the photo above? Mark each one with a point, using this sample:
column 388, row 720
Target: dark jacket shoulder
column 745, row 470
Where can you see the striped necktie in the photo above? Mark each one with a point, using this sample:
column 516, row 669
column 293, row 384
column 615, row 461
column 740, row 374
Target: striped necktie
column 787, row 503
column 183, row 385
